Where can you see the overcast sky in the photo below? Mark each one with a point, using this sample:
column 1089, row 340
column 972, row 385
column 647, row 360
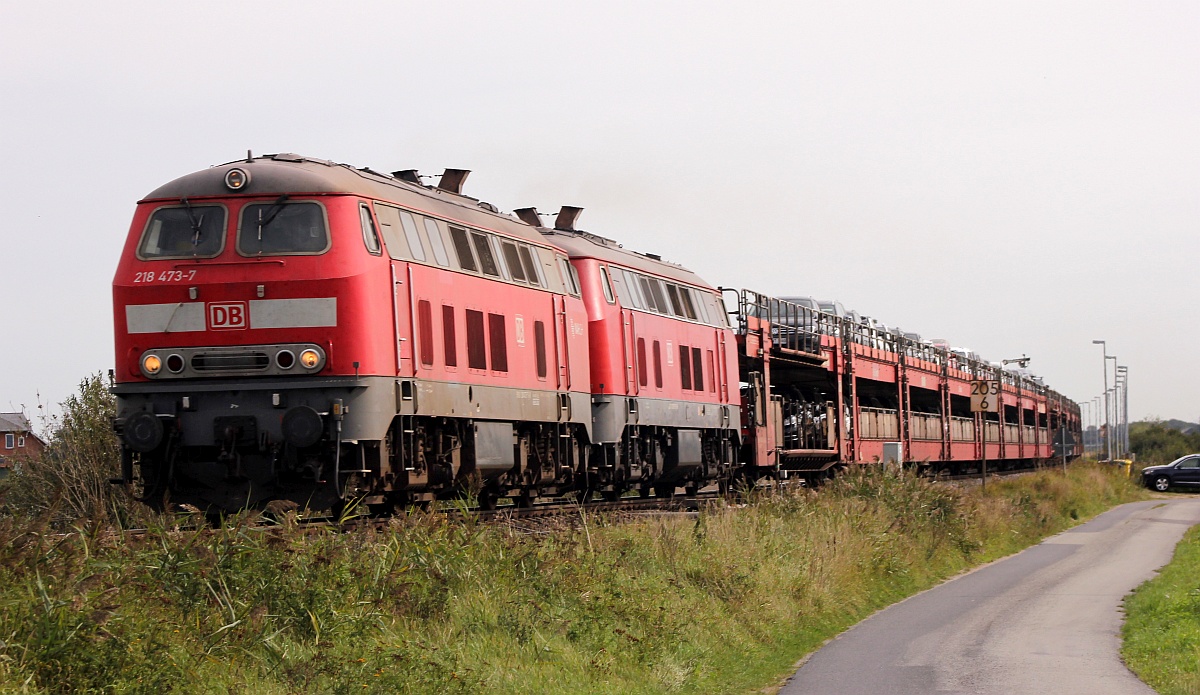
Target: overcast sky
column 1018, row 178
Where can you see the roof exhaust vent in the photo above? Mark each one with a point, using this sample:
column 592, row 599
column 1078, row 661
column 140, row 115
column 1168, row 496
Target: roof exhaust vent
column 409, row 175
column 567, row 217
column 529, row 216
column 453, row 179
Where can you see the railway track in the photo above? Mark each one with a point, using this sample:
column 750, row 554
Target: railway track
column 559, row 511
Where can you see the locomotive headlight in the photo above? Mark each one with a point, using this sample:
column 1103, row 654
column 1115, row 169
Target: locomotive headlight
column 236, row 179
column 151, row 364
column 309, row 359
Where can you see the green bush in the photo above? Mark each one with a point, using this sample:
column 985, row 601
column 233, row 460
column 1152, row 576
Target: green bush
column 69, row 481
column 1154, row 442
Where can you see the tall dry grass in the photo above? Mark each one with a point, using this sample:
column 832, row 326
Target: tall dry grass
column 69, row 482
column 722, row 602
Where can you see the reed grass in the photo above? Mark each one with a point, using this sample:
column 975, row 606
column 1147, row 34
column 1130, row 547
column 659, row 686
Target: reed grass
column 723, row 602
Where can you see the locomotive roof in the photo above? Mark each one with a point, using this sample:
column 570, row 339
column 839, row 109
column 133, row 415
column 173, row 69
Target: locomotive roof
column 588, row 245
column 276, row 174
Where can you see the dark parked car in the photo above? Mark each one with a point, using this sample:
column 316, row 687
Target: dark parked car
column 1183, row 471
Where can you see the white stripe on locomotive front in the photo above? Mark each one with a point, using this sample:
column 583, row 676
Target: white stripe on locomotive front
column 180, row 317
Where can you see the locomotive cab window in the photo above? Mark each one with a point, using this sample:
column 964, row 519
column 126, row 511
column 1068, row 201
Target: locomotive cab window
column 283, row 229
column 608, row 293
column 184, row 232
column 370, row 236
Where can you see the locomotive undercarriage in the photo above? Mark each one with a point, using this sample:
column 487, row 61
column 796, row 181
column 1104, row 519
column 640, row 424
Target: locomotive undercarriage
column 217, row 449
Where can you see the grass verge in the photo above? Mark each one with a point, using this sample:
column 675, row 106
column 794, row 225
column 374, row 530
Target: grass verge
column 724, row 602
column 1161, row 634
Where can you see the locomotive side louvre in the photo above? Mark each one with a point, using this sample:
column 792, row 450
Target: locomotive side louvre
column 320, row 312
column 664, row 411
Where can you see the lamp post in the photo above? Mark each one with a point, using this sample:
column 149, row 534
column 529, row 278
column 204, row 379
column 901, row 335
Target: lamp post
column 1122, row 409
column 1104, row 364
column 1125, row 403
column 1112, row 410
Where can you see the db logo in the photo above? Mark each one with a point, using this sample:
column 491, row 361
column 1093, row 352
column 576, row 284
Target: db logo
column 227, row 316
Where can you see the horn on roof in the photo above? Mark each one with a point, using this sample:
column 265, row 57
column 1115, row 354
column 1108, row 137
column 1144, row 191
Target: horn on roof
column 452, row 180
column 567, row 216
column 529, row 216
column 409, row 175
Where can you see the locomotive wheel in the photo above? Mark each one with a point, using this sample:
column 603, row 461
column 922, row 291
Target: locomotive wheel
column 487, row 500
column 664, row 491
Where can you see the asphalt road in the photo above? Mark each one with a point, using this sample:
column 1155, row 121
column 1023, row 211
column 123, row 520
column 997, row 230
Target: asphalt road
column 1046, row 620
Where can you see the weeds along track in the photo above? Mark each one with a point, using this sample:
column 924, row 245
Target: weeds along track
column 540, row 517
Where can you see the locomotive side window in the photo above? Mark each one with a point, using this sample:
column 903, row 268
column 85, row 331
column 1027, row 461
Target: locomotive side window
column 413, row 236
column 660, row 299
column 712, row 377
column 644, row 285
column 513, row 260
column 698, row 304
column 476, row 352
column 183, row 232
column 448, row 341
column 685, row 297
column 462, row 247
column 618, row 281
column 673, row 296
column 719, row 307
column 436, row 243
column 657, row 365
column 425, row 331
column 570, row 280
column 635, row 291
column 486, row 263
column 539, row 343
column 697, row 370
column 643, row 373
column 608, row 293
column 389, row 223
column 685, row 367
column 498, row 342
column 370, row 236
column 283, row 229
column 494, row 243
column 532, row 272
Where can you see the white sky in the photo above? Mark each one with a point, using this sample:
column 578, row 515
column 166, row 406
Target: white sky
column 1016, row 177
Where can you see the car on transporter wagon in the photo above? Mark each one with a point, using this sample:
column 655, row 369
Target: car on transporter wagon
column 1182, row 472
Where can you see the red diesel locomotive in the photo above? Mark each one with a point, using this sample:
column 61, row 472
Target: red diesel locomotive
column 291, row 329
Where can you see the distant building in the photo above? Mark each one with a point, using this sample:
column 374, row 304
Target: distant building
column 17, row 440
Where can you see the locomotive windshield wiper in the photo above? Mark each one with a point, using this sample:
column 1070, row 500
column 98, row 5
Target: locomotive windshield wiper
column 197, row 224
column 264, row 220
